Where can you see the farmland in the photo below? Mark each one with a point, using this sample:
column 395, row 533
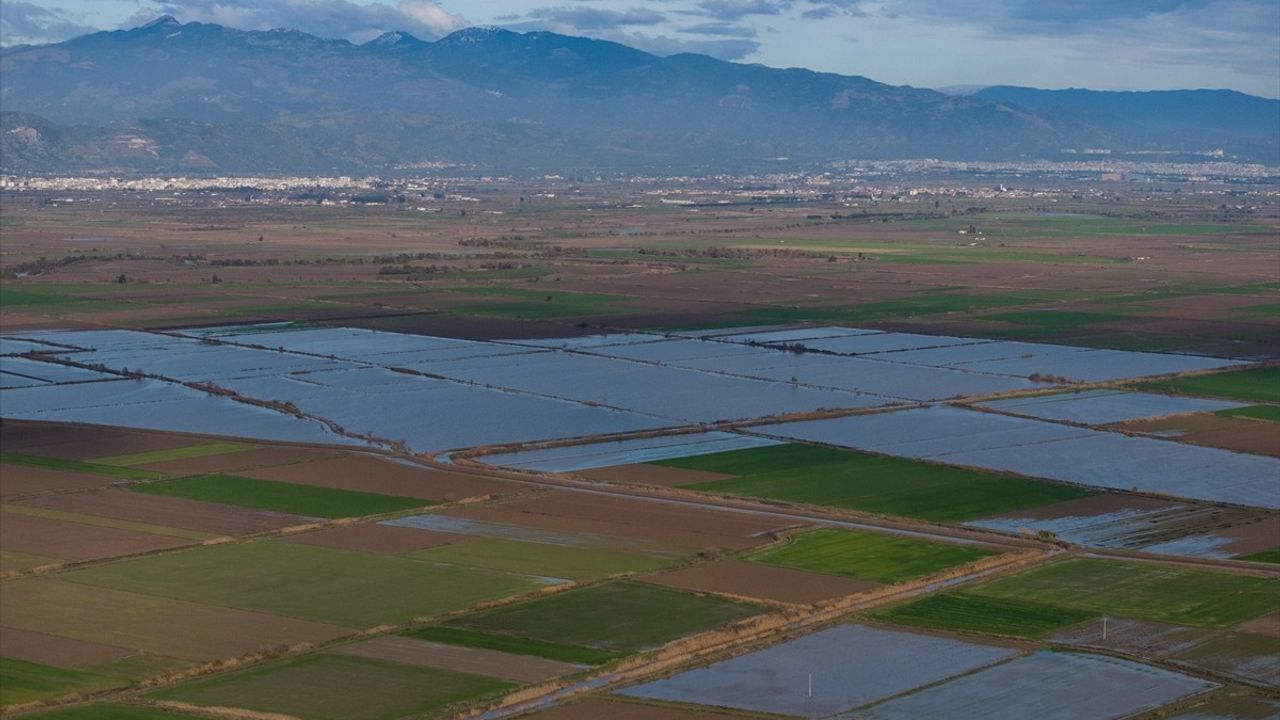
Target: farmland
column 869, row 556
column 618, row 618
column 317, row 687
column 859, row 481
column 1064, row 593
column 1260, row 385
column 675, row 461
column 278, row 496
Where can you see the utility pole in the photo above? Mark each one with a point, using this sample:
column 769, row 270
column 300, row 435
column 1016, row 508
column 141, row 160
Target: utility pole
column 810, row 684
column 1104, row 628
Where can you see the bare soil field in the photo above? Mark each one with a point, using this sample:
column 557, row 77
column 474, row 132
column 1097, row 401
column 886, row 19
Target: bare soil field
column 28, row 480
column 56, row 650
column 476, row 661
column 75, row 541
column 1229, row 433
column 597, row 708
column 1268, row 624
column 159, row 626
column 375, row 538
column 645, row 474
column 82, row 442
column 207, row 517
column 668, row 524
column 742, row 578
column 371, row 474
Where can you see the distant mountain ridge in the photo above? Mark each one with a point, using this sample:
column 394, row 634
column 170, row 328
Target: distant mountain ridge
column 198, row 97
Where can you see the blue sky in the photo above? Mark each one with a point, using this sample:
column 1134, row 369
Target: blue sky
column 1103, row 44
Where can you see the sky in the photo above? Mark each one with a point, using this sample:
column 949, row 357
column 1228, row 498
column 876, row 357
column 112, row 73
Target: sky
column 1099, row 44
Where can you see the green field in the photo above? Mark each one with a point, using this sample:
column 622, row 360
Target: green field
column 345, row 588
column 517, row 303
column 514, row 645
column 1257, row 412
column 621, row 617
column 182, row 453
column 892, row 486
column 1052, row 321
column 557, row 561
column 23, row 682
column 1259, row 384
column 922, row 304
column 77, row 466
column 336, row 687
column 975, row 613
column 307, row 500
column 1037, row 601
column 114, row 712
column 883, row 558
column 1266, row 556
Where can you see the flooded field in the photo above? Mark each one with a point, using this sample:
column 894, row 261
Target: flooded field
column 1102, row 407
column 1047, row 686
column 1047, row 450
column 850, row 666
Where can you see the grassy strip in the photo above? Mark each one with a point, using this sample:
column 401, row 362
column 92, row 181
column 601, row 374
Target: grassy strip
column 182, row 453
column 306, row 500
column 515, row 645
column 125, row 473
column 1257, row 412
column 966, row 611
column 115, row 712
column 1259, row 384
column 883, row 558
column 893, row 486
column 22, row 681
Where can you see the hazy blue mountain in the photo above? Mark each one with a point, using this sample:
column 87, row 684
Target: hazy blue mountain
column 1211, row 118
column 199, row 97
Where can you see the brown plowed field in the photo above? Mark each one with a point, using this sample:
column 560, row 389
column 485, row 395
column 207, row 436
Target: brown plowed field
column 74, row 541
column 662, row 523
column 175, row 512
column 72, row 442
column 602, row 709
column 234, row 462
column 757, row 580
column 57, row 651
column 160, row 626
column 372, row 474
column 1268, row 624
column 23, row 480
column 385, row 539
column 1253, row 537
column 643, row 474
column 1228, row 433
column 477, row 661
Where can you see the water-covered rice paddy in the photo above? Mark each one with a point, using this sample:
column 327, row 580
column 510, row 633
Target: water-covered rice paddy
column 433, row 394
column 850, row 666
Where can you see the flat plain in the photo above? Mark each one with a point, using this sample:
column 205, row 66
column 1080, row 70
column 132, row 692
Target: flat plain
column 389, row 463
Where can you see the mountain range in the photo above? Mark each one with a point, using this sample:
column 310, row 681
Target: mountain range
column 203, row 98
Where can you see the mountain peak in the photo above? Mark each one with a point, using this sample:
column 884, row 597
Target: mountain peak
column 394, row 38
column 476, row 34
column 162, row 22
